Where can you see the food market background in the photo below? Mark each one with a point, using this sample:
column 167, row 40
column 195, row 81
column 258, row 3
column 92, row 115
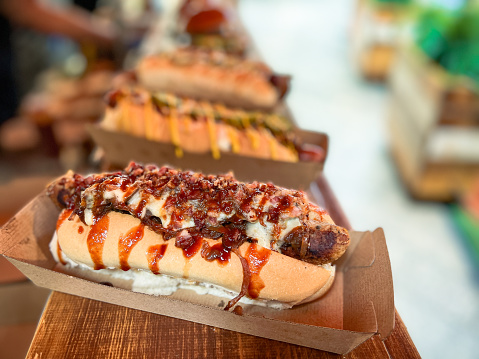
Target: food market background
column 434, row 269
column 435, row 276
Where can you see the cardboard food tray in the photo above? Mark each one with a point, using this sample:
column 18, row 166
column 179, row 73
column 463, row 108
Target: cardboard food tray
column 359, row 304
column 121, row 148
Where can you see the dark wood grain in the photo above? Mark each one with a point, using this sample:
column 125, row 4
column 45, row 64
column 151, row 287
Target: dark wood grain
column 76, row 327
column 400, row 345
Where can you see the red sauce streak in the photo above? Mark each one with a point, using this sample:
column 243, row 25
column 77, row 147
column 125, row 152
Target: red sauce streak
column 59, row 254
column 246, row 281
column 154, row 254
column 128, row 191
column 238, row 310
column 275, row 212
column 126, row 244
column 176, row 219
column 63, row 216
column 112, row 97
column 311, row 153
column 96, row 240
column 257, row 257
column 80, row 229
column 216, row 252
column 190, row 251
column 141, row 206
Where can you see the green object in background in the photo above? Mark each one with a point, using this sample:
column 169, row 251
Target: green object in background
column 469, row 226
column 451, row 39
column 462, row 56
column 399, row 2
column 431, row 31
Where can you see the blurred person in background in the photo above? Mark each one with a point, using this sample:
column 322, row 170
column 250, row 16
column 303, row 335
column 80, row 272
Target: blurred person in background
column 69, row 21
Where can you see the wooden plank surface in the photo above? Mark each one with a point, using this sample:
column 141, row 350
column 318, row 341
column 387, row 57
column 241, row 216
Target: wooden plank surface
column 76, row 327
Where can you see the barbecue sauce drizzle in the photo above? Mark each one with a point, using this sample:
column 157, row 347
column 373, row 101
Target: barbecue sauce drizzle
column 257, row 257
column 63, row 216
column 154, row 254
column 96, row 240
column 214, row 194
column 126, row 244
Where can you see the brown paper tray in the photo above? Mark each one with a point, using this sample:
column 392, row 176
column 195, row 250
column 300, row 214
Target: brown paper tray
column 121, row 148
column 360, row 303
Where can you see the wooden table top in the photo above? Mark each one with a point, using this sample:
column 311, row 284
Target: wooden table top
column 76, row 327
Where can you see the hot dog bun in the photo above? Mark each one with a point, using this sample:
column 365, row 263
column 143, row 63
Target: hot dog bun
column 259, row 240
column 199, row 127
column 286, row 280
column 210, row 76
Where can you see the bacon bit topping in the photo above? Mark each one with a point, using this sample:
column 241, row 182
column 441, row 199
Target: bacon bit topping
column 195, row 206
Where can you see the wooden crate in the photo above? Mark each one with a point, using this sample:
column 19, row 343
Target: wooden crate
column 375, row 33
column 426, row 100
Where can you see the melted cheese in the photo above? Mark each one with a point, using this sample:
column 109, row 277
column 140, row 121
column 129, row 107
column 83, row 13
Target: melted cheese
column 250, row 132
column 264, row 234
column 211, row 123
column 272, row 144
column 125, row 116
column 149, row 111
column 175, row 136
column 187, row 123
column 154, row 206
column 233, row 137
column 223, row 140
column 88, row 217
column 253, row 137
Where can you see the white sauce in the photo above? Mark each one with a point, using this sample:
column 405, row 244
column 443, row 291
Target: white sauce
column 88, row 217
column 223, row 140
column 264, row 233
column 156, row 284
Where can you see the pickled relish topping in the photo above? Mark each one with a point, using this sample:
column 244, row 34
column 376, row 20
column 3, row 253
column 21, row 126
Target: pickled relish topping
column 278, row 125
column 164, row 103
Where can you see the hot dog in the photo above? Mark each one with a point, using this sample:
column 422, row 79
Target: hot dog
column 213, row 76
column 200, row 126
column 257, row 240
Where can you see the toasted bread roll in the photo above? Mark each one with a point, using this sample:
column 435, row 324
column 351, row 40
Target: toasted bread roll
column 211, row 76
column 125, row 243
column 258, row 240
column 199, row 127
